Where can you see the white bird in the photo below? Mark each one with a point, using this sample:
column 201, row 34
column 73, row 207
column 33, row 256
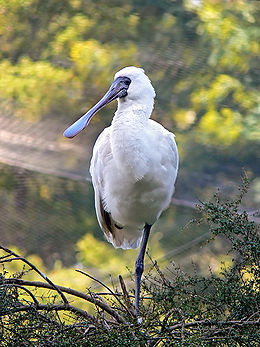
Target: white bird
column 133, row 167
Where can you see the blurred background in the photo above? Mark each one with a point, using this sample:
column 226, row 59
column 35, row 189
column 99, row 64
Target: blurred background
column 57, row 58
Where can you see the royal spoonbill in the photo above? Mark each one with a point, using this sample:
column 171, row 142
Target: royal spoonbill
column 133, row 167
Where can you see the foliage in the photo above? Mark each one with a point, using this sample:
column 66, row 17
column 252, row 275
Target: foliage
column 106, row 259
column 177, row 309
column 56, row 60
column 81, row 47
column 29, row 86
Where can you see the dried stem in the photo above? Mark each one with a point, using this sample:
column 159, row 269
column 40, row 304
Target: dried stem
column 126, row 296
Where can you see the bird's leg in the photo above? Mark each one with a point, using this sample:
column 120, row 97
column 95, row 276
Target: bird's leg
column 139, row 265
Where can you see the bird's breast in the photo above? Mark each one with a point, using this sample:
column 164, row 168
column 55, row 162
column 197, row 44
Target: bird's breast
column 137, row 202
column 130, row 150
column 139, row 177
column 138, row 184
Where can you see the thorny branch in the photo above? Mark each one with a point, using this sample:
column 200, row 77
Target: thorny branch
column 17, row 257
column 212, row 323
column 91, row 299
column 11, row 256
column 114, row 294
column 54, row 307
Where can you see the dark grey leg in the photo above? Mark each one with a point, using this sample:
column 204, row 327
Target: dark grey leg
column 139, row 265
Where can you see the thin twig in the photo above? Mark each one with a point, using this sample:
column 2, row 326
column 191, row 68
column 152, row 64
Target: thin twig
column 97, row 308
column 126, row 296
column 70, row 291
column 6, row 256
column 121, row 294
column 38, row 271
column 26, row 290
column 10, row 259
column 13, row 331
column 105, row 286
column 118, row 294
column 209, row 322
column 155, row 264
column 48, row 307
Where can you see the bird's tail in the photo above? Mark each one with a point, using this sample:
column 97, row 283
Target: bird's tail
column 125, row 238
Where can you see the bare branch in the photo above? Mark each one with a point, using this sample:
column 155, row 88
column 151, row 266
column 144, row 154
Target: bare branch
column 8, row 260
column 6, row 256
column 38, row 271
column 27, row 291
column 48, row 307
column 70, row 291
column 126, row 296
column 118, row 294
column 105, row 286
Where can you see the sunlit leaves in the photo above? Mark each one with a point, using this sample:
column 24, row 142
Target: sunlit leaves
column 101, row 255
column 221, row 127
column 96, row 62
column 203, row 60
column 77, row 28
column 33, row 89
column 96, row 40
column 167, row 22
column 224, row 102
column 216, row 93
column 230, row 26
column 29, row 26
column 220, row 124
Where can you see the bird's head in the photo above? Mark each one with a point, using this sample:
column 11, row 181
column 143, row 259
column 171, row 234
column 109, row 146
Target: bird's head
column 140, row 86
column 130, row 85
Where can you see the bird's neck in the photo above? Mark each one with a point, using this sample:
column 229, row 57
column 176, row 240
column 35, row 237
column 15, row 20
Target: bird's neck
column 129, row 140
column 127, row 105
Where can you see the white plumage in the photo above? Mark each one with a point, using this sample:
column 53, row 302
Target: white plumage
column 134, row 163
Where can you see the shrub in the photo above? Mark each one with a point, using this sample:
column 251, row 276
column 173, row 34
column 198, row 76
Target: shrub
column 177, row 309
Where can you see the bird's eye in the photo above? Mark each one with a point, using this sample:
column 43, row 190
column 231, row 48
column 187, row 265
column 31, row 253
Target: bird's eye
column 127, row 81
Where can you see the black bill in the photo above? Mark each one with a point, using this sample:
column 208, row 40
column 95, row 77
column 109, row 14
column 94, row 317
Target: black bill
column 118, row 89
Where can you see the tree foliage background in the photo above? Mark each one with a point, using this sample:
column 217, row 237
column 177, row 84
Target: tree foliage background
column 58, row 57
